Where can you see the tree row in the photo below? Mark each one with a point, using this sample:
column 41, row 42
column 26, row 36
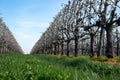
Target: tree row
column 83, row 27
column 8, row 44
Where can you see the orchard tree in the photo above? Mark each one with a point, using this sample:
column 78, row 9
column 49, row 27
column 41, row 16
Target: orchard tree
column 8, row 44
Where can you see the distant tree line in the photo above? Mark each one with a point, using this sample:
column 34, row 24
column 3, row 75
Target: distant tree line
column 8, row 44
column 83, row 27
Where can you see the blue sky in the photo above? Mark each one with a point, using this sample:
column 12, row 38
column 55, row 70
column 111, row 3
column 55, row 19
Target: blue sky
column 28, row 19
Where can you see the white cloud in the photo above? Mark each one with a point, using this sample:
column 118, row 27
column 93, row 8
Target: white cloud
column 28, row 32
column 31, row 24
column 26, row 40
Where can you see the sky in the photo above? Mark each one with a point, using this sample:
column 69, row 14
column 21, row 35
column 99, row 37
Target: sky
column 28, row 19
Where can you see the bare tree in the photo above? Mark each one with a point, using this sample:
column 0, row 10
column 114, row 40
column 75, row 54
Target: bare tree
column 7, row 41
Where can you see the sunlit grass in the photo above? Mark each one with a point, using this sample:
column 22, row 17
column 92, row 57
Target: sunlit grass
column 55, row 67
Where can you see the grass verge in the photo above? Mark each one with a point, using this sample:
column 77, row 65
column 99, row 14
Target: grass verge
column 49, row 67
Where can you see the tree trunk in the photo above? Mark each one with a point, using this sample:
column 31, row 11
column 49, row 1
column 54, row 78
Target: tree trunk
column 82, row 47
column 117, row 44
column 76, row 46
column 68, row 47
column 55, row 49
column 62, row 48
column 109, row 46
column 76, row 35
column 58, row 48
column 118, row 48
column 100, row 42
column 51, row 51
column 92, row 45
column 104, row 45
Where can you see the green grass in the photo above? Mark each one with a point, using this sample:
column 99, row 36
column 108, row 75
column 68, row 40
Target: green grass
column 46, row 67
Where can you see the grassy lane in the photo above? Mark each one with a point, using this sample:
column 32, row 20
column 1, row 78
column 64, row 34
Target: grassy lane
column 45, row 67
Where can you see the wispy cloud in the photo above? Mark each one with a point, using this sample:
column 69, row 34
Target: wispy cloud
column 26, row 40
column 31, row 24
column 28, row 32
